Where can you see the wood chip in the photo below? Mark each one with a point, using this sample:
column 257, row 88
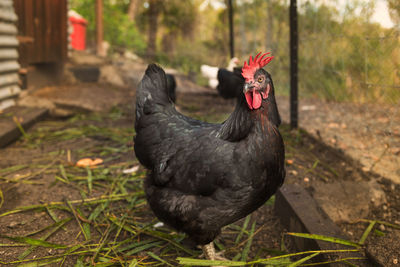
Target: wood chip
column 87, row 162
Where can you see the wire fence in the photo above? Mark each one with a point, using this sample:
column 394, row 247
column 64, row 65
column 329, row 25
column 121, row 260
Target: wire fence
column 349, row 73
column 349, row 82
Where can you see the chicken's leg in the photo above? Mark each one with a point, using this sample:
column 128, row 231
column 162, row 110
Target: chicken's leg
column 209, row 253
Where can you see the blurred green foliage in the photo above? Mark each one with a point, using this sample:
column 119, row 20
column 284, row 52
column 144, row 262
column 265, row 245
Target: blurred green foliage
column 119, row 30
column 343, row 56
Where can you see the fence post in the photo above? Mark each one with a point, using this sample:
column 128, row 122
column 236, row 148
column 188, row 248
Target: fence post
column 99, row 28
column 293, row 65
column 231, row 41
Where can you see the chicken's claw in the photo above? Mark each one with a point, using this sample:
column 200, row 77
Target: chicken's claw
column 210, row 254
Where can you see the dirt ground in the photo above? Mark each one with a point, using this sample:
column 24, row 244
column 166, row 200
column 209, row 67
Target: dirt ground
column 94, row 211
column 369, row 133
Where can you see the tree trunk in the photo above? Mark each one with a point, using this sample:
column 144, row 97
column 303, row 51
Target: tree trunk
column 132, row 10
column 168, row 42
column 270, row 31
column 154, row 11
column 99, row 29
column 243, row 37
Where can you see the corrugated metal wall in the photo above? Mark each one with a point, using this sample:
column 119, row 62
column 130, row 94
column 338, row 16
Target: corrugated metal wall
column 9, row 78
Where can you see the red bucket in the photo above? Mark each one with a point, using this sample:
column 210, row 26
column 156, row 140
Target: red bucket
column 78, row 35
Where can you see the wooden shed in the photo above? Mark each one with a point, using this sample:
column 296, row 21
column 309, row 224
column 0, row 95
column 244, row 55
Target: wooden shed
column 9, row 67
column 33, row 38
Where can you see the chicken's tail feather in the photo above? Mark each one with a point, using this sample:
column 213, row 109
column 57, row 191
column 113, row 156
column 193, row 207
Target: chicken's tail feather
column 152, row 89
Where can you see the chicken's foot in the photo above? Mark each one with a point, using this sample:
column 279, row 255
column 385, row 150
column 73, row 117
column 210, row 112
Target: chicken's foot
column 210, row 254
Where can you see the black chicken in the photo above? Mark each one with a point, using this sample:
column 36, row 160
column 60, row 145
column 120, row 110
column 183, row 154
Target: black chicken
column 204, row 176
column 230, row 83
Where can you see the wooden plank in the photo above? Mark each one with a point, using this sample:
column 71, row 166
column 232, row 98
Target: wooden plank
column 9, row 131
column 50, row 40
column 299, row 213
column 64, row 30
column 9, row 88
column 6, row 3
column 8, row 41
column 8, row 53
column 8, row 14
column 6, row 104
column 45, row 23
column 8, row 66
column 20, row 9
column 7, row 79
column 9, row 92
column 8, row 28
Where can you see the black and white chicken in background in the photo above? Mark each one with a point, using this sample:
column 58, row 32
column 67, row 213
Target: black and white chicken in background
column 228, row 82
column 203, row 176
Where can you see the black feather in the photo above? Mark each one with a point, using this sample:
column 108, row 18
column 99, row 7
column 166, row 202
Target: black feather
column 171, row 85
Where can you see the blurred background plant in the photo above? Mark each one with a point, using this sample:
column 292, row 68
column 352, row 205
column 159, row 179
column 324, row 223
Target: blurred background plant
column 344, row 55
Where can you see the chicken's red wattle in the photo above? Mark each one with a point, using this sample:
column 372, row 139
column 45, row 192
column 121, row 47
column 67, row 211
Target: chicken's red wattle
column 253, row 99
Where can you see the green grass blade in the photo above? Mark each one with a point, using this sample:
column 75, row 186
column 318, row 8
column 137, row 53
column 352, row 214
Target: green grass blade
column 86, row 230
column 63, row 173
column 132, row 245
column 89, row 179
column 267, row 261
column 20, row 128
column 97, row 211
column 366, row 232
column 34, row 242
column 40, row 263
column 12, row 245
column 13, row 169
column 1, row 198
column 33, row 207
column 379, row 233
column 342, row 260
column 61, row 205
column 157, row 234
column 61, row 179
column 122, row 225
column 326, row 238
column 297, row 263
column 270, row 201
column 198, row 262
column 54, row 216
column 168, row 238
column 55, row 227
column 242, row 231
column 143, row 247
column 133, row 263
column 395, row 226
column 154, row 256
column 75, row 213
column 246, row 249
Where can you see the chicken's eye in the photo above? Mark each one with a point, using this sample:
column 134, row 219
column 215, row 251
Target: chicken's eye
column 260, row 79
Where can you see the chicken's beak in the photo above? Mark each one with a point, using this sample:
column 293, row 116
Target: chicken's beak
column 248, row 87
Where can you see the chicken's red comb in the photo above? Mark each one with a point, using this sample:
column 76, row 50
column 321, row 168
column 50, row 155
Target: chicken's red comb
column 248, row 70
